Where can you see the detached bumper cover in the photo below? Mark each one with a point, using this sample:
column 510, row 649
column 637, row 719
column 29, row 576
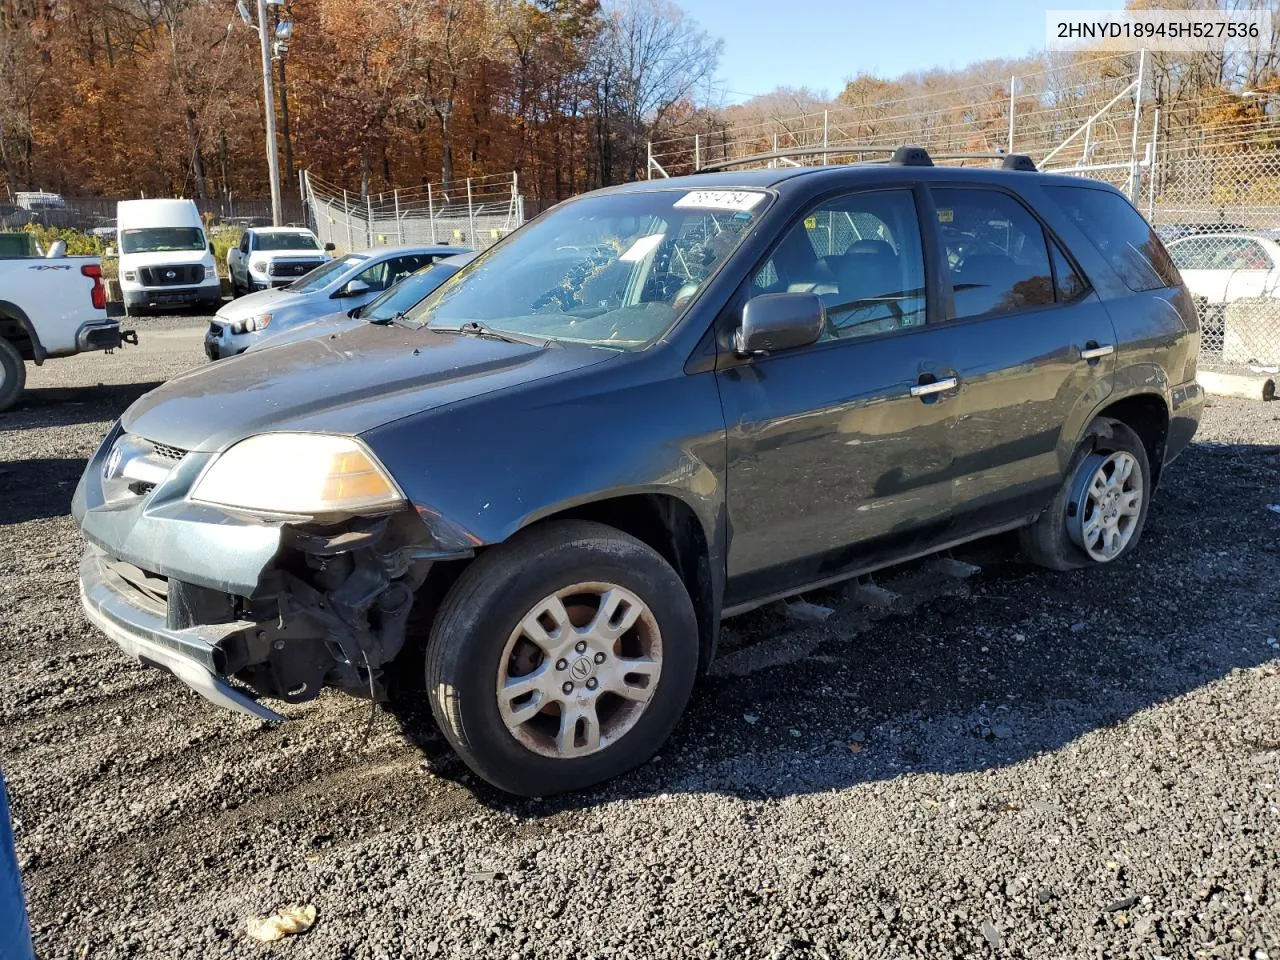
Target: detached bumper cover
column 192, row 655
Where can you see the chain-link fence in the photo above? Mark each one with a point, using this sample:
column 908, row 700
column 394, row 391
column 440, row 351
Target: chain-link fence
column 476, row 213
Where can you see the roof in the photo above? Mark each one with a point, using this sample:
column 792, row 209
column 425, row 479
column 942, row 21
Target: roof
column 842, row 172
column 435, row 249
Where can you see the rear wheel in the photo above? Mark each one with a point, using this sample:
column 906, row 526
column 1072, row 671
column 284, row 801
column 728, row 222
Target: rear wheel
column 562, row 658
column 1101, row 508
column 13, row 374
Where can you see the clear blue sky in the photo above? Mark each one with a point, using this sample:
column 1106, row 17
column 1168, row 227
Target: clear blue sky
column 821, row 43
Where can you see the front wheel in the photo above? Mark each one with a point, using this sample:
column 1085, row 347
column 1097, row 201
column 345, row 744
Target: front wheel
column 13, row 374
column 1101, row 508
column 562, row 658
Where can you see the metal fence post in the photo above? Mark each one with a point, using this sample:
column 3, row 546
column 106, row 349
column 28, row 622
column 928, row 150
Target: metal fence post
column 1151, row 168
column 399, row 225
column 1137, row 119
column 1013, row 96
column 826, row 135
column 368, row 206
column 697, row 153
column 471, row 213
column 431, row 216
column 346, row 218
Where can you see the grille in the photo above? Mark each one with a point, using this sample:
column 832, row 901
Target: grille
column 168, row 452
column 293, row 268
column 172, row 276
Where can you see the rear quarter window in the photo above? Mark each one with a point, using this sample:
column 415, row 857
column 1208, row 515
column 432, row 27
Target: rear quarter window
column 1120, row 234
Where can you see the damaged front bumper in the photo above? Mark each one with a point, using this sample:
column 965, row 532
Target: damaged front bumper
column 194, row 655
column 241, row 607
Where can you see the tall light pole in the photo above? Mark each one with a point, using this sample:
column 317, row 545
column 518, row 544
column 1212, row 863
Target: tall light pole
column 268, row 97
column 269, row 105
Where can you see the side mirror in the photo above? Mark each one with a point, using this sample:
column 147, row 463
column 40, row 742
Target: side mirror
column 211, row 250
column 779, row 321
column 330, row 247
column 110, row 253
column 354, row 288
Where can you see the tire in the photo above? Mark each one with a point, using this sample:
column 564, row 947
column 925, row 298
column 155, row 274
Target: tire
column 479, row 637
column 1056, row 539
column 13, row 374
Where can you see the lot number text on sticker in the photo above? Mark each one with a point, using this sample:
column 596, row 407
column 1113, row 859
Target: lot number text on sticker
column 741, row 200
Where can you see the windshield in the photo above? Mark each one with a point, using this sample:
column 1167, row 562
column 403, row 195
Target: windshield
column 408, row 292
column 161, row 239
column 614, row 270
column 322, row 276
column 285, row 241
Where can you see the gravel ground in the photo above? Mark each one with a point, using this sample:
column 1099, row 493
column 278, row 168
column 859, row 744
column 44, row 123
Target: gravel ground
column 1017, row 764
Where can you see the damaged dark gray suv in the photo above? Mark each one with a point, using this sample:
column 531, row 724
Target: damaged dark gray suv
column 650, row 408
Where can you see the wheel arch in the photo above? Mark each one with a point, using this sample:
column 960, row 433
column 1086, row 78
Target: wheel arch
column 17, row 328
column 663, row 521
column 1146, row 413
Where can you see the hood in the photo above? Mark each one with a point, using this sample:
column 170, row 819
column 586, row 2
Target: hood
column 264, row 301
column 164, row 258
column 347, row 384
column 328, row 325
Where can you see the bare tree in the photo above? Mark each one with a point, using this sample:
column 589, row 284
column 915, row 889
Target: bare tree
column 652, row 61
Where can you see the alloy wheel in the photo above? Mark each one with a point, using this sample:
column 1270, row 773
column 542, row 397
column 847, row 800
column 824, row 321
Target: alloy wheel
column 579, row 670
column 1108, row 504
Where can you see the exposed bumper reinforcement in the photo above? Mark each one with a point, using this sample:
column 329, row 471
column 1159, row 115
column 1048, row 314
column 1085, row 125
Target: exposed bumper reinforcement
column 190, row 655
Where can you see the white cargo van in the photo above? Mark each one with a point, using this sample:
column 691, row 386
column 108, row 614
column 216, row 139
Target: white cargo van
column 166, row 260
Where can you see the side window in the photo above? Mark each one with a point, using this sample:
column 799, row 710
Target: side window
column 1067, row 279
column 1246, row 254
column 375, row 276
column 995, row 250
column 861, row 254
column 1196, row 253
column 1120, row 234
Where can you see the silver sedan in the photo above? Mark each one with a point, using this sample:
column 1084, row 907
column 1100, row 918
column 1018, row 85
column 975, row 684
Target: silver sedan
column 342, row 284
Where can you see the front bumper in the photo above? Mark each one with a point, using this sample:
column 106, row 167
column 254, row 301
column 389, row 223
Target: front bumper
column 149, row 297
column 220, row 342
column 194, row 655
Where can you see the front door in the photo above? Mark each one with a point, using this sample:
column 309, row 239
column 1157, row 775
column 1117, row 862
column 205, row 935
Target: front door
column 838, row 453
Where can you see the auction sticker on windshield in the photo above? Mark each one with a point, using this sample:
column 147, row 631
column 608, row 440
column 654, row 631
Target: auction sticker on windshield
column 741, row 200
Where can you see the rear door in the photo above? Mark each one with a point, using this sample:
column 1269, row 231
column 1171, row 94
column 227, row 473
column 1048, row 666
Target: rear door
column 838, row 453
column 1033, row 347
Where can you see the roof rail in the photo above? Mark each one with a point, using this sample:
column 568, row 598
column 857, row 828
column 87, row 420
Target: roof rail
column 796, row 152
column 1008, row 161
column 903, row 156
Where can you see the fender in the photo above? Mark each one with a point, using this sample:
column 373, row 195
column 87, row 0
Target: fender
column 14, row 312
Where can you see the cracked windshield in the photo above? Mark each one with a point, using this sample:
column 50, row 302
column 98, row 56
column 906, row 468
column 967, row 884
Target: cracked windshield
column 614, row 271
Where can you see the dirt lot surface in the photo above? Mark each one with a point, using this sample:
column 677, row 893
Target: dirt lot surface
column 1017, row 764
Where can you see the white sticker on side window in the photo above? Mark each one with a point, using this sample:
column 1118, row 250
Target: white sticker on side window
column 740, row 200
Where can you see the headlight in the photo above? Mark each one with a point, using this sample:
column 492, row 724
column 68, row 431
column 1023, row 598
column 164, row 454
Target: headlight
column 258, row 266
column 260, row 322
column 130, row 275
column 304, row 473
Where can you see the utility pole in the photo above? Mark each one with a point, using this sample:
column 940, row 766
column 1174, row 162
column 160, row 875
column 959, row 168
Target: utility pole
column 269, row 105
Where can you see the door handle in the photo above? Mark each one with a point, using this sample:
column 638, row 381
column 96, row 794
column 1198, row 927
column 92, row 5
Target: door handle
column 937, row 386
column 1092, row 351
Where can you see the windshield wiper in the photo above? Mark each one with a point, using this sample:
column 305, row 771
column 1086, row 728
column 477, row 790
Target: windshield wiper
column 474, row 328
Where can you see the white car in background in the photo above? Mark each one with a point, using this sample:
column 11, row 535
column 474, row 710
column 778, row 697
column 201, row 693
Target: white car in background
column 1219, row 268
column 273, row 257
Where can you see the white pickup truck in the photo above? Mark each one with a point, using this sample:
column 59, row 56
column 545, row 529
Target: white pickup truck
column 52, row 306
